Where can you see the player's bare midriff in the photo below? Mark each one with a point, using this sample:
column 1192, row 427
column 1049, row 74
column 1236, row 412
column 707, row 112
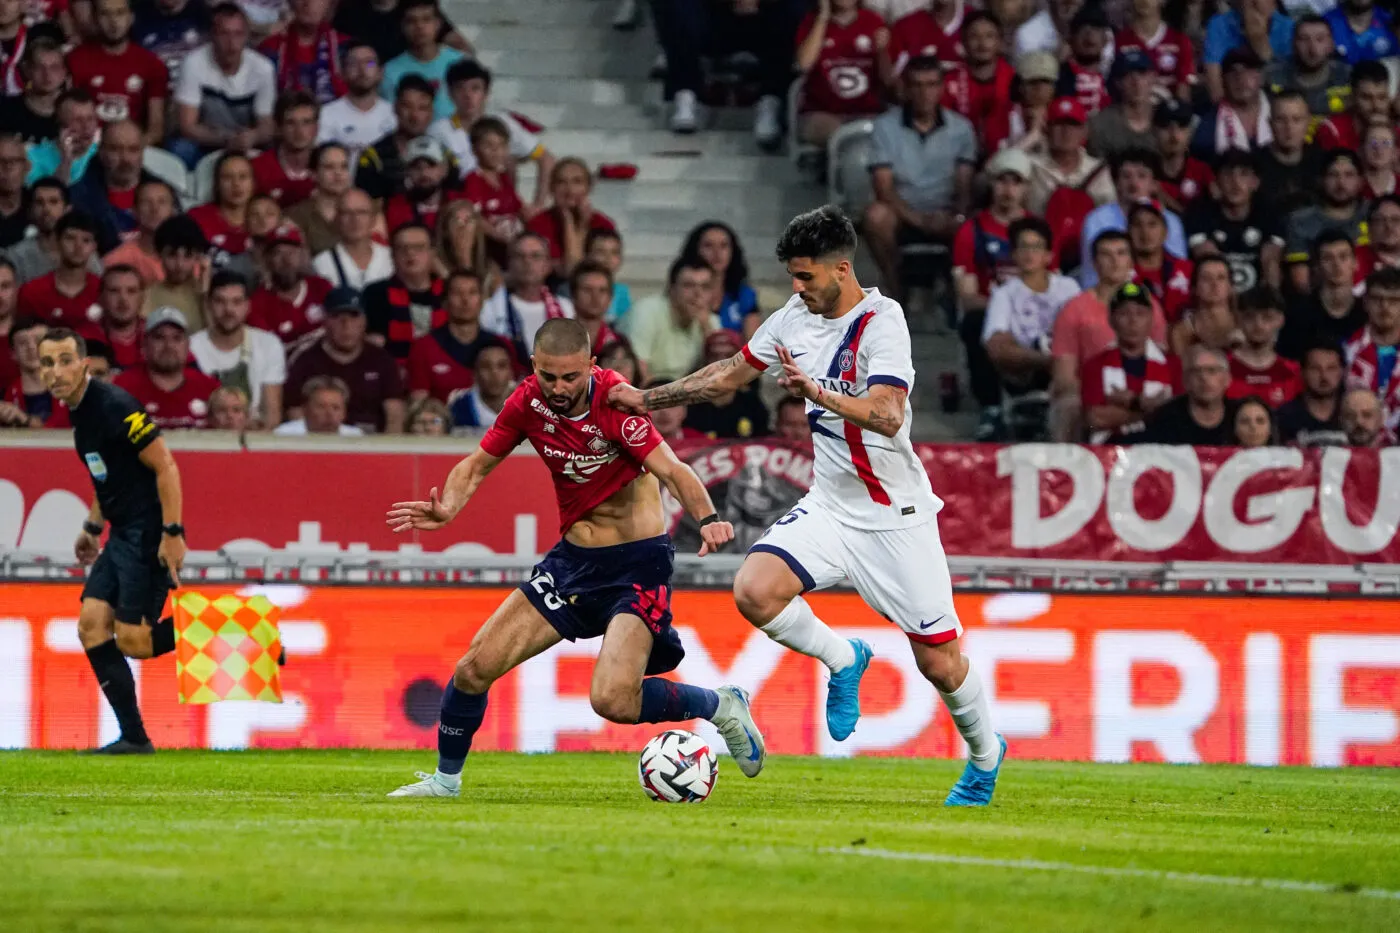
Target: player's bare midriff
column 633, row 513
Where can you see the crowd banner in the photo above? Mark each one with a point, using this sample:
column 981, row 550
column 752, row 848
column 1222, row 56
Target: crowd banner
column 1245, row 679
column 1146, row 503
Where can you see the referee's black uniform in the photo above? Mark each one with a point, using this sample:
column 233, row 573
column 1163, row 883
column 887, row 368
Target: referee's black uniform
column 110, row 429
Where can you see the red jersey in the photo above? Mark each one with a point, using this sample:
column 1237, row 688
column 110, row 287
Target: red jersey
column 590, row 458
column 1156, row 375
column 290, row 320
column 1169, row 49
column 1369, row 192
column 286, row 187
column 8, row 370
column 1193, row 181
column 126, row 354
column 124, row 85
column 1277, row 384
column 844, row 78
column 224, row 238
column 1087, row 84
column 547, row 225
column 440, row 364
column 919, row 34
column 399, row 210
column 1169, row 283
column 494, row 201
column 186, row 407
column 986, row 103
column 38, row 11
column 41, row 298
column 982, row 247
column 1338, row 132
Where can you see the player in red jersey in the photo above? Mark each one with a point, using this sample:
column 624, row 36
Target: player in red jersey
column 1256, row 368
column 980, row 88
column 609, row 576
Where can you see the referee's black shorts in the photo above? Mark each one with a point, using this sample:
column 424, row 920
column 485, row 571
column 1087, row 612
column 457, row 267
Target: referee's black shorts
column 128, row 576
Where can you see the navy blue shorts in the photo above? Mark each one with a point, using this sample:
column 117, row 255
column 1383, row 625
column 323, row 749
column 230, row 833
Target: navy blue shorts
column 128, row 576
column 580, row 590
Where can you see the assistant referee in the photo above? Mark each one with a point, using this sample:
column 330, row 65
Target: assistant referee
column 137, row 488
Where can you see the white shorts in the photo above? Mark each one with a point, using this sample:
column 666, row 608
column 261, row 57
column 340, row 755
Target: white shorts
column 901, row 573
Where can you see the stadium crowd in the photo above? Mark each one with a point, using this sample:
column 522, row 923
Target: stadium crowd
column 1163, row 221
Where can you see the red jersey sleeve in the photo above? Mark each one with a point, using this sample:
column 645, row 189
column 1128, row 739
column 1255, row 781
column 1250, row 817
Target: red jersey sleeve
column 509, row 430
column 157, row 79
column 1091, row 382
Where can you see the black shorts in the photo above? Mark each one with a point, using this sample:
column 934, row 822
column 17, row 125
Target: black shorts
column 128, row 576
column 580, row 590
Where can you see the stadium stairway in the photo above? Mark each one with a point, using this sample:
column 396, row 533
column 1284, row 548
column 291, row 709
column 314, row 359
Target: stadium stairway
column 561, row 63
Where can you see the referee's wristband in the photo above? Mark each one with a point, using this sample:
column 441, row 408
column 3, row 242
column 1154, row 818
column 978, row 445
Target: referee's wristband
column 94, row 528
column 709, row 519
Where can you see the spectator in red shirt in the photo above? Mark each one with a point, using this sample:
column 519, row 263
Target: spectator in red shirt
column 1132, row 377
column 1370, row 100
column 1184, row 177
column 174, row 393
column 107, row 190
column 442, row 362
column 67, row 296
column 980, row 88
column 426, row 186
column 935, row 30
column 375, row 386
column 127, row 81
column 1371, row 353
column 1166, row 277
column 122, row 297
column 284, row 171
column 981, row 248
column 13, row 33
column 491, row 187
column 1377, row 159
column 26, row 402
column 1170, row 49
column 307, row 54
column 1256, row 369
column 591, row 290
column 292, row 304
column 1083, row 74
column 9, row 291
column 838, row 49
column 566, row 225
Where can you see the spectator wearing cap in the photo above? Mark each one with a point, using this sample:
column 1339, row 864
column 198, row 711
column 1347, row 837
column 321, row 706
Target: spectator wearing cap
column 1126, row 123
column 38, row 254
column 1363, row 420
column 427, row 186
column 1362, row 32
column 591, row 289
column 1312, row 70
column 668, row 331
column 155, row 204
column 1184, row 177
column 980, row 87
column 67, row 156
column 493, row 379
column 737, row 414
column 316, row 216
column 1172, row 54
column 982, row 246
column 225, row 93
column 246, row 358
column 1369, row 102
column 1288, row 166
column 838, row 50
column 184, row 261
column 122, row 298
column 173, row 393
column 1256, row 369
column 1030, row 113
column 371, row 375
column 921, row 163
column 1132, row 377
column 284, row 170
column 1256, row 24
column 355, row 260
column 1090, row 41
column 325, row 404
column 1240, row 118
column 1201, row 417
column 306, row 54
column 67, row 296
column 408, row 304
column 1066, row 164
column 360, row 116
column 469, row 84
column 442, row 362
column 1371, row 351
column 1165, row 276
column 1313, row 418
column 292, row 304
column 571, row 217
column 1332, row 312
column 1234, row 225
column 382, row 167
column 107, row 190
column 1135, row 175
column 1340, row 206
column 424, row 54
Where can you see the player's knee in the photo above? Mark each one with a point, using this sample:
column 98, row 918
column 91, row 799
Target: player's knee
column 93, row 629
column 471, row 676
column 944, row 665
column 616, row 703
column 756, row 597
column 134, row 641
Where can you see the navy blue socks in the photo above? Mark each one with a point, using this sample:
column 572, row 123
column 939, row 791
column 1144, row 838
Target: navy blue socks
column 461, row 716
column 667, row 701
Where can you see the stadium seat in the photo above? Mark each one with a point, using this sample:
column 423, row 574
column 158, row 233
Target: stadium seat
column 802, row 154
column 846, row 154
column 167, row 166
column 202, row 180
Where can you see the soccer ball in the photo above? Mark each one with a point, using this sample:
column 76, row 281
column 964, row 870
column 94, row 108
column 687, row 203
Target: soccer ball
column 677, row 767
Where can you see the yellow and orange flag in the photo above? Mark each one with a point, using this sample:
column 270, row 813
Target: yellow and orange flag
column 226, row 648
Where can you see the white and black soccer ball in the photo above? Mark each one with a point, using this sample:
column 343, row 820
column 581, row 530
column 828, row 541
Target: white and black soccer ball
column 677, row 767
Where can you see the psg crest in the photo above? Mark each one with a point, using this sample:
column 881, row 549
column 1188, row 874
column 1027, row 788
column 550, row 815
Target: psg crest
column 847, row 359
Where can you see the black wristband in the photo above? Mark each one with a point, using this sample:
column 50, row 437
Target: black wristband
column 709, row 519
column 174, row 530
column 94, row 528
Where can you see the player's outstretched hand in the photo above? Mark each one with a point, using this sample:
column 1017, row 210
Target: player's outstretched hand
column 714, row 536
column 86, row 548
column 628, row 398
column 424, row 516
column 172, row 556
column 794, row 379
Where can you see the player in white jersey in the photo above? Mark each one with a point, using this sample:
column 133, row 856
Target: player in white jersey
column 871, row 515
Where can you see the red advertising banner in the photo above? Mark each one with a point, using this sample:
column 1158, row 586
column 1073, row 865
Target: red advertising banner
column 1148, row 503
column 1075, row 678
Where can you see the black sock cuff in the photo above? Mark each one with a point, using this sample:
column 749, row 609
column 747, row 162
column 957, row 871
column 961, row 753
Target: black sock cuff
column 162, row 637
column 105, row 652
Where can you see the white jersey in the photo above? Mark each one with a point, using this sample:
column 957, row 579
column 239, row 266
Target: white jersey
column 863, row 479
column 1025, row 314
column 451, row 133
column 355, row 129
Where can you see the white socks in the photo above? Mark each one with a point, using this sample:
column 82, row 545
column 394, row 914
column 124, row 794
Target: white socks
column 968, row 704
column 798, row 628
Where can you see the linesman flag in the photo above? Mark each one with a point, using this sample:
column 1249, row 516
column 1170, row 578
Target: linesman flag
column 226, row 648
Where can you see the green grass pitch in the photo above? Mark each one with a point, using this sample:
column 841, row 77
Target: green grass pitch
column 306, row 841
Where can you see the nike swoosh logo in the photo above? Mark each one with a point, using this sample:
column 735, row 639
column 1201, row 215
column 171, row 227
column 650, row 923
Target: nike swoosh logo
column 925, row 626
column 796, row 355
column 753, row 756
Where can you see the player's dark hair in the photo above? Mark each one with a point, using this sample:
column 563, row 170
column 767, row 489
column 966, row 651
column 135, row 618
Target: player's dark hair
column 58, row 334
column 561, row 336
column 76, row 220
column 1261, row 298
column 469, row 274
column 54, row 185
column 411, row 225
column 293, row 100
column 1137, row 156
column 1387, row 277
column 982, row 16
column 468, row 69
column 413, row 83
column 673, row 275
column 738, row 272
column 121, row 268
column 320, row 151
column 1109, row 236
column 823, row 234
column 225, row 278
column 922, row 64
column 489, row 126
column 1370, row 72
column 1030, row 224
column 588, row 267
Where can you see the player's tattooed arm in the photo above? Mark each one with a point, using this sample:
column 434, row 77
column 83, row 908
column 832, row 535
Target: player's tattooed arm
column 712, row 382
column 881, row 411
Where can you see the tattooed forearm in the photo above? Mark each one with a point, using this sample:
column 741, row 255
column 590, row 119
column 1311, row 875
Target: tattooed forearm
column 705, row 385
column 882, row 411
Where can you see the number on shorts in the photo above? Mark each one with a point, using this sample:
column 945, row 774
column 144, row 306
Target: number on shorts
column 544, row 584
column 791, row 517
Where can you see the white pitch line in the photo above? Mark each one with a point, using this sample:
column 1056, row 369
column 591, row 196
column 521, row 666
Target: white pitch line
column 1233, row 881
